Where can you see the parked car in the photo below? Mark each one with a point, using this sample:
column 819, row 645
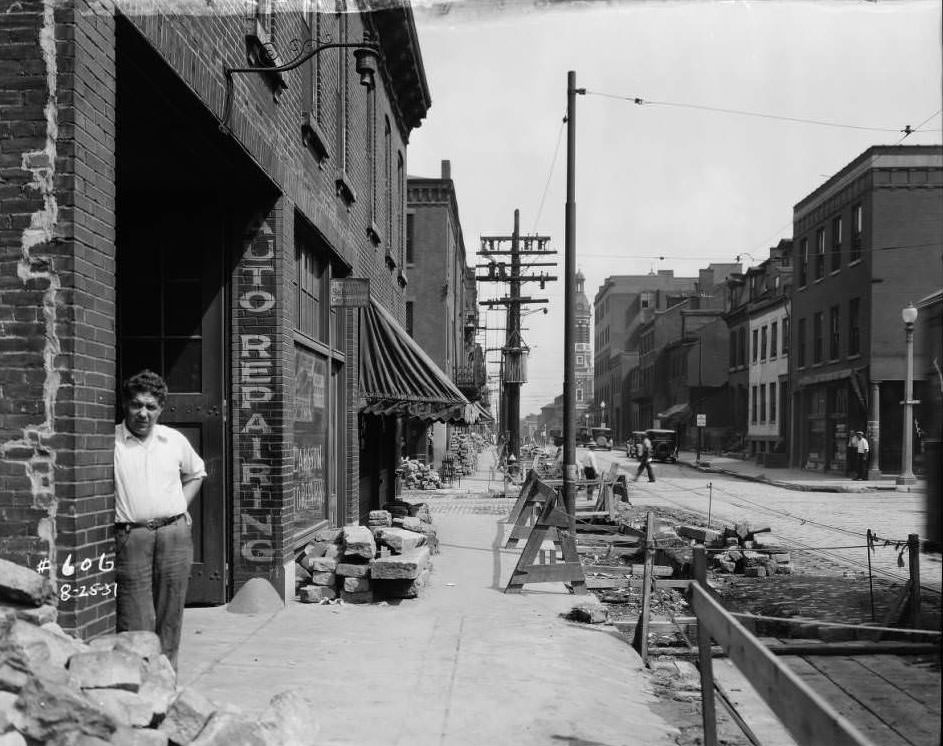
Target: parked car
column 633, row 446
column 601, row 437
column 664, row 444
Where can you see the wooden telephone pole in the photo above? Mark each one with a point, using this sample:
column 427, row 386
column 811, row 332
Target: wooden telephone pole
column 514, row 353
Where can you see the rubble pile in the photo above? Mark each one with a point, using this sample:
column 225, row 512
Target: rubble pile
column 118, row 689
column 736, row 550
column 389, row 558
column 415, row 475
column 464, row 449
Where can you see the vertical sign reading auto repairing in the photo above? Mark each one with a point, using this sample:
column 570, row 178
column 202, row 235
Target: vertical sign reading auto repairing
column 255, row 402
column 310, row 430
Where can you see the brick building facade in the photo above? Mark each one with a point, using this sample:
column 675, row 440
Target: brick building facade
column 137, row 231
column 862, row 244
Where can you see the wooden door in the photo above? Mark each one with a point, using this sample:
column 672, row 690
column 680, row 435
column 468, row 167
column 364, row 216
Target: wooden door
column 170, row 297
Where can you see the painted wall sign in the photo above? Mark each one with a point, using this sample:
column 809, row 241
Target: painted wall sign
column 256, row 398
column 351, row 292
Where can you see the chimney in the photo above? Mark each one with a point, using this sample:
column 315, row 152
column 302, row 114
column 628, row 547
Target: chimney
column 447, row 170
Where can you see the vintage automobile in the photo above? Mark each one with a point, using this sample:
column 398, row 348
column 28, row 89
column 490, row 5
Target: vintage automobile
column 633, row 446
column 601, row 437
column 664, row 444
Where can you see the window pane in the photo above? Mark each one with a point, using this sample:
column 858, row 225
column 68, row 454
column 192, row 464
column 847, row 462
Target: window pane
column 183, row 309
column 184, row 360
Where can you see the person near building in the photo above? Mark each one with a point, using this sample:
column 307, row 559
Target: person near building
column 851, row 455
column 157, row 476
column 590, row 471
column 645, row 460
column 864, row 453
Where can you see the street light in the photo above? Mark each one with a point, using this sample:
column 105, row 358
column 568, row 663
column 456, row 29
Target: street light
column 909, row 315
column 602, row 415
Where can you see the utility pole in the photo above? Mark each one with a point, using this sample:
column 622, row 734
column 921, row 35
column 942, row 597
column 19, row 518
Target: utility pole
column 514, row 352
column 569, row 315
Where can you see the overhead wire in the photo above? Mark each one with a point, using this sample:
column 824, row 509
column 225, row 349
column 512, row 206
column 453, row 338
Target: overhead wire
column 640, row 101
column 553, row 163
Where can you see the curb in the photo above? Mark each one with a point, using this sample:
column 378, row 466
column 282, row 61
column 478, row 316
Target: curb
column 796, row 487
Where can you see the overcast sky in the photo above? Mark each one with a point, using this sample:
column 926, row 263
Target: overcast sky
column 656, row 180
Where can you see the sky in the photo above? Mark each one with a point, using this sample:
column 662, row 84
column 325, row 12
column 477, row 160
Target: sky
column 672, row 184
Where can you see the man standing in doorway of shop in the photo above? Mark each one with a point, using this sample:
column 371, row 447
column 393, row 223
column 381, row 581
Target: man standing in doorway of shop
column 851, row 455
column 864, row 453
column 157, row 475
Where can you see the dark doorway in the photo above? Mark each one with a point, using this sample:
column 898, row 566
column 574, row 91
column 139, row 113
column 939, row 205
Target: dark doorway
column 185, row 196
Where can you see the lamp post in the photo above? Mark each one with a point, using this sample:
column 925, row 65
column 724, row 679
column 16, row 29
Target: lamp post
column 909, row 315
column 602, row 414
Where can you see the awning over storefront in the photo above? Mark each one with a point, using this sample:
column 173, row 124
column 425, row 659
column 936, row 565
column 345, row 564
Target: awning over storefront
column 484, row 416
column 398, row 377
column 675, row 412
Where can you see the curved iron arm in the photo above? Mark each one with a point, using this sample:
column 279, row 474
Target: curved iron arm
column 302, row 57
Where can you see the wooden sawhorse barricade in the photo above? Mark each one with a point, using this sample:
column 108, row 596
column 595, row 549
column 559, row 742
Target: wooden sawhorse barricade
column 550, row 524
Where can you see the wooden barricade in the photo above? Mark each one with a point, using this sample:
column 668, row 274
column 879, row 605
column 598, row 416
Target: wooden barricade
column 551, row 525
column 534, row 493
column 808, row 717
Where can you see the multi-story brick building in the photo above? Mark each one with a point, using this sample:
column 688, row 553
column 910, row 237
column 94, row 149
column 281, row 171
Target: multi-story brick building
column 866, row 243
column 159, row 211
column 441, row 299
column 621, row 305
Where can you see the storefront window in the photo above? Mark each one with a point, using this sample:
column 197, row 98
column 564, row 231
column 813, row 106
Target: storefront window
column 309, row 450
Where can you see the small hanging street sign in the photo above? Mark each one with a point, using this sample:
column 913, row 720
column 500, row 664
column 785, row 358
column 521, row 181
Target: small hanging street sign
column 702, row 420
column 350, row 292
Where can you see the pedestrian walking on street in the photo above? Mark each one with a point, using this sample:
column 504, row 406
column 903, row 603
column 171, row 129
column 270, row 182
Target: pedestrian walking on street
column 851, row 456
column 864, row 454
column 645, row 461
column 157, row 476
column 590, row 471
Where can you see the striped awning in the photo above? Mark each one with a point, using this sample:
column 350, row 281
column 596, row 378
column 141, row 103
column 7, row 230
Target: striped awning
column 398, row 377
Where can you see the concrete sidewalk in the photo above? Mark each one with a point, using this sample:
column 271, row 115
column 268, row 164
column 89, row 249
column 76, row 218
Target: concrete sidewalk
column 463, row 664
column 793, row 479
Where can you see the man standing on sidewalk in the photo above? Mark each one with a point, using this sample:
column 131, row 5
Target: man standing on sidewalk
column 645, row 461
column 157, row 475
column 864, row 453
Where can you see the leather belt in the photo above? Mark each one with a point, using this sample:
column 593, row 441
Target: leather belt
column 153, row 524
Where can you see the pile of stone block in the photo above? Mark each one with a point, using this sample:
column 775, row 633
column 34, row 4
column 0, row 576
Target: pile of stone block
column 389, row 558
column 118, row 689
column 736, row 550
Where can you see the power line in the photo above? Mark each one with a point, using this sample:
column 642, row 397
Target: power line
column 553, row 164
column 639, row 101
column 908, row 131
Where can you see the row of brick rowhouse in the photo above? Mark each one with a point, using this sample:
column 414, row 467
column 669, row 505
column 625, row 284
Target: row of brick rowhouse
column 150, row 219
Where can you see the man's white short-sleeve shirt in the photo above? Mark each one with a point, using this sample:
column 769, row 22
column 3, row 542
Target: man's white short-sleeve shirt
column 149, row 474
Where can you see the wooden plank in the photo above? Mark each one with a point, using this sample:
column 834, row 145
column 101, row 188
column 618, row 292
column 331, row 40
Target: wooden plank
column 641, row 632
column 867, row 722
column 561, row 571
column 705, row 661
column 831, row 649
column 916, row 681
column 902, row 714
column 809, row 718
column 658, row 571
column 750, row 705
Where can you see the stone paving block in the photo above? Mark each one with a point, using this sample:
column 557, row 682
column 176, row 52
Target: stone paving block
column 758, row 571
column 356, row 585
column 226, row 728
column 406, row 566
column 364, row 597
column 324, row 578
column 783, row 569
column 313, row 594
column 45, row 644
column 380, row 518
column 401, row 588
column 589, row 612
column 410, row 523
column 290, row 718
column 141, row 643
column 107, row 669
column 37, row 615
column 353, row 570
column 399, row 540
column 334, row 551
column 127, row 708
column 45, row 709
column 329, row 535
column 302, row 576
column 359, row 542
column 24, row 585
column 186, row 716
column 125, row 736
column 158, row 683
column 322, row 564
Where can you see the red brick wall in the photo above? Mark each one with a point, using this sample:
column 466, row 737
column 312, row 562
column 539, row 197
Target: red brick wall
column 57, row 300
